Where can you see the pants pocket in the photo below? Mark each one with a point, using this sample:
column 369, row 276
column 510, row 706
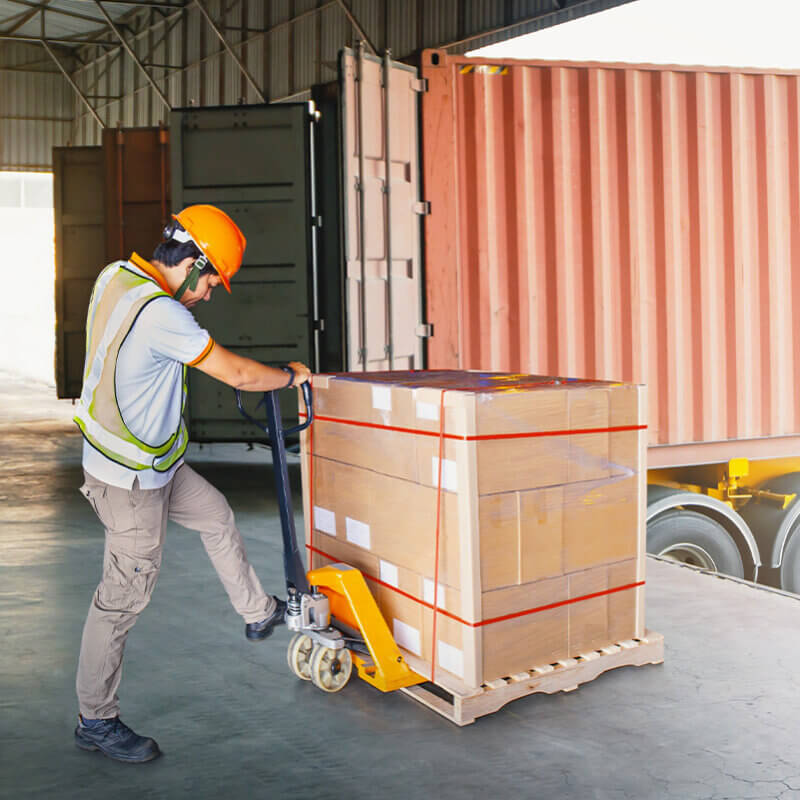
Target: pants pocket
column 97, row 495
column 128, row 582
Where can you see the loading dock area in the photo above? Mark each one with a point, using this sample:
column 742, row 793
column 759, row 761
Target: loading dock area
column 716, row 720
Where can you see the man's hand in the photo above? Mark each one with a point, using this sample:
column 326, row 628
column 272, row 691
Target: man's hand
column 301, row 373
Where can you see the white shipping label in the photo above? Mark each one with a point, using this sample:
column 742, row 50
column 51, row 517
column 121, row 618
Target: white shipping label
column 451, row 658
column 389, row 573
column 324, row 520
column 382, row 398
column 427, row 593
column 449, row 474
column 357, row 532
column 407, row 637
column 427, row 411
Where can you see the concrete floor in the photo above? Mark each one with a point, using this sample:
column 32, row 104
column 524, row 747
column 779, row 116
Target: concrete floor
column 717, row 720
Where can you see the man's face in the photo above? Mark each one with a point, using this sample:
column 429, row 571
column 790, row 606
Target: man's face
column 205, row 286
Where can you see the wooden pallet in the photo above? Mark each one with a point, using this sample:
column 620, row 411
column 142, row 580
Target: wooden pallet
column 563, row 676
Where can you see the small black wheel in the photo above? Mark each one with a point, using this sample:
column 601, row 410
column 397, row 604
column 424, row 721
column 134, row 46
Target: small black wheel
column 695, row 539
column 790, row 566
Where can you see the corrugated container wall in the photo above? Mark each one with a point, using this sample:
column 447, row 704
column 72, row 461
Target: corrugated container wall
column 620, row 222
column 35, row 109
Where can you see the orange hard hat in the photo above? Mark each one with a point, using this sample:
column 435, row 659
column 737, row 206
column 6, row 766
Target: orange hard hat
column 217, row 236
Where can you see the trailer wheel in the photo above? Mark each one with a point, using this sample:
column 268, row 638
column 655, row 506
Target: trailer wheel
column 790, row 565
column 695, row 539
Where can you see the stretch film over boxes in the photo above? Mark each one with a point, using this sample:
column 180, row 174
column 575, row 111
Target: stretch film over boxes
column 512, row 505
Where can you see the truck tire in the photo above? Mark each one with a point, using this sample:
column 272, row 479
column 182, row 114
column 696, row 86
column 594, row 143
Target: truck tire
column 692, row 538
column 790, row 565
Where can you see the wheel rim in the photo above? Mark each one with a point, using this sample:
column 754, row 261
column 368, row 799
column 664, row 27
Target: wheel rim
column 330, row 669
column 691, row 554
column 299, row 656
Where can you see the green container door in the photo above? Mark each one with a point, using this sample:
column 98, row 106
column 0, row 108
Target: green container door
column 254, row 162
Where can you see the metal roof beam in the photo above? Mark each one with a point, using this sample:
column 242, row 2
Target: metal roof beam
column 149, row 4
column 72, row 83
column 226, row 45
column 132, row 54
column 63, row 12
column 18, row 20
column 359, row 30
column 38, row 40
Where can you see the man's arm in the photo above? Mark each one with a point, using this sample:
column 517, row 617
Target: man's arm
column 247, row 374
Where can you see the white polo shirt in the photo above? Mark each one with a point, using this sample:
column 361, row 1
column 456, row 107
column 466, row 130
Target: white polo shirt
column 149, row 380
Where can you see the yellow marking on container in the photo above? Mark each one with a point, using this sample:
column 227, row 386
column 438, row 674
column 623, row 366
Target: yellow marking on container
column 484, row 69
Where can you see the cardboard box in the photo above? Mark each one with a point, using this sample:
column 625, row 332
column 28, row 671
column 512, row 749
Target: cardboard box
column 540, row 497
column 521, row 627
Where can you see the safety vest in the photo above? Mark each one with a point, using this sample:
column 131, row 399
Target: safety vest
column 118, row 297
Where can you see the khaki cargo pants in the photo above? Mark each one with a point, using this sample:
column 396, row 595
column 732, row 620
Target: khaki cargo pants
column 135, row 523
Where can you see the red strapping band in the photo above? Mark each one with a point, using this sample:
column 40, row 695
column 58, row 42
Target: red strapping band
column 478, row 437
column 438, row 528
column 491, row 620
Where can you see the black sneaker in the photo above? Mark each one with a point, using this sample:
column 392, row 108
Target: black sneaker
column 113, row 738
column 256, row 631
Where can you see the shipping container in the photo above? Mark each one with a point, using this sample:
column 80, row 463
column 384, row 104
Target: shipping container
column 109, row 201
column 137, row 189
column 254, row 163
column 79, row 213
column 635, row 223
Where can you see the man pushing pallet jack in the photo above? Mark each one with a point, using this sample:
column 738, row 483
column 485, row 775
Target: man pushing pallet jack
column 141, row 337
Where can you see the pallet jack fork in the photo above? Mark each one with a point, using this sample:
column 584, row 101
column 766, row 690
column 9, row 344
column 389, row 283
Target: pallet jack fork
column 334, row 617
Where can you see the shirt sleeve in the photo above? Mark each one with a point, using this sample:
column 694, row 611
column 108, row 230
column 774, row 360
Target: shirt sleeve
column 173, row 332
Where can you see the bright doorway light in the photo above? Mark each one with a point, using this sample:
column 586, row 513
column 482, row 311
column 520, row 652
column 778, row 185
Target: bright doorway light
column 732, row 33
column 27, row 304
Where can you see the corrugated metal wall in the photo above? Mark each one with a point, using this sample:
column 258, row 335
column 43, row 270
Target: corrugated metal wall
column 287, row 46
column 36, row 108
column 619, row 222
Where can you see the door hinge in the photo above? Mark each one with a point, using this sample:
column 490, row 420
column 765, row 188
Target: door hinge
column 316, row 222
column 422, row 208
column 419, row 85
column 319, row 325
column 424, row 330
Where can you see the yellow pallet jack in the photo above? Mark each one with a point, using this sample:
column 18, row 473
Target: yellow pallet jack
column 334, row 617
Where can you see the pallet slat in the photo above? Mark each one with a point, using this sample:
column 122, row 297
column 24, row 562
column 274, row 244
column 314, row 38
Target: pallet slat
column 566, row 676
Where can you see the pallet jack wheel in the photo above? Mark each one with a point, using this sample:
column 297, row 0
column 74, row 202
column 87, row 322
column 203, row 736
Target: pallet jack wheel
column 299, row 656
column 330, row 669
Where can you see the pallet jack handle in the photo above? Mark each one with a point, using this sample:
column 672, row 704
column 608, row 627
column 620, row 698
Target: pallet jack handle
column 293, row 566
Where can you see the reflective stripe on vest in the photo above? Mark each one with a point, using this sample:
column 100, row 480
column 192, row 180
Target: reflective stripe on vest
column 118, row 297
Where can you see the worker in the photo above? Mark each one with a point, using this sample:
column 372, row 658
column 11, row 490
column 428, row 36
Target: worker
column 140, row 339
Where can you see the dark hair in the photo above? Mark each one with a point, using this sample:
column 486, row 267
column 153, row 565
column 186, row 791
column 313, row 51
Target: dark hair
column 171, row 253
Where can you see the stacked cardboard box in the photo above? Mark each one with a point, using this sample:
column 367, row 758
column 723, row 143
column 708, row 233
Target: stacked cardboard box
column 537, row 501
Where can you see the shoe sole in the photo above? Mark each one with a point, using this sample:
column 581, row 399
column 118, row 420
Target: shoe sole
column 92, row 747
column 259, row 637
